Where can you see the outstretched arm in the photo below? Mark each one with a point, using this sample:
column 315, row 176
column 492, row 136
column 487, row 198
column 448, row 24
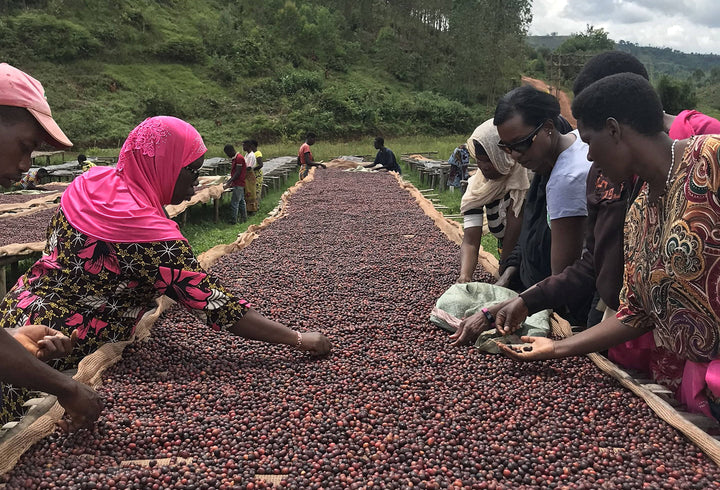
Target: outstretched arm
column 254, row 326
column 310, row 163
column 598, row 338
column 182, row 279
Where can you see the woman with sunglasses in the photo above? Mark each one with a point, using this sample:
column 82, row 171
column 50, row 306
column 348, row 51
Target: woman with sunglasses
column 111, row 252
column 533, row 133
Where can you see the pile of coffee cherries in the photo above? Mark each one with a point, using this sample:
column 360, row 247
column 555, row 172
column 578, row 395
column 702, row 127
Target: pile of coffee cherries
column 393, row 405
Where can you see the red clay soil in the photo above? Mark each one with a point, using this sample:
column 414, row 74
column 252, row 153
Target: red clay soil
column 561, row 96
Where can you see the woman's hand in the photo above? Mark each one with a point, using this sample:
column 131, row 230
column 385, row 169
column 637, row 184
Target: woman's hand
column 542, row 348
column 511, row 316
column 44, row 342
column 469, row 329
column 315, row 344
column 82, row 407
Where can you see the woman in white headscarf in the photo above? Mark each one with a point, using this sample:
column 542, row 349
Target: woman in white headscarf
column 497, row 190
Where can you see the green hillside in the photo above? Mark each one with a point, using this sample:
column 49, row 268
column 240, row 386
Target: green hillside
column 271, row 70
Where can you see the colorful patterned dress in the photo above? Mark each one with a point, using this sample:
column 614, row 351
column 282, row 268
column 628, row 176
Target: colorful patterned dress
column 102, row 289
column 672, row 258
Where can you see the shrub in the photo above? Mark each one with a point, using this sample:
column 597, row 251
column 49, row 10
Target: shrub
column 160, row 102
column 181, row 48
column 676, row 95
column 50, row 38
column 296, row 80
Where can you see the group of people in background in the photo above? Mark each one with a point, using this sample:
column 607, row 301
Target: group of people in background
column 619, row 226
column 246, row 180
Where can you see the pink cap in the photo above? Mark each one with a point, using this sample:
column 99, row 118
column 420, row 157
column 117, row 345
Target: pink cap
column 18, row 89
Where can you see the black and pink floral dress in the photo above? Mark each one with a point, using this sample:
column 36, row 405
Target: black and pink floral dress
column 102, row 289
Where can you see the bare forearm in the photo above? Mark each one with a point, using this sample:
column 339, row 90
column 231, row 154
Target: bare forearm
column 598, row 338
column 469, row 253
column 19, row 368
column 567, row 242
column 254, row 326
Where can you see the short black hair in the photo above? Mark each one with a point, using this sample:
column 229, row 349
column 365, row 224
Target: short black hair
column 254, row 143
column 81, row 158
column 606, row 64
column 247, row 142
column 310, row 135
column 627, row 97
column 11, row 115
column 229, row 150
column 533, row 105
column 380, row 140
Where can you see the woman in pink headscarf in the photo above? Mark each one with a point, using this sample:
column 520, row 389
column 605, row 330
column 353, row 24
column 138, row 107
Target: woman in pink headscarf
column 111, row 251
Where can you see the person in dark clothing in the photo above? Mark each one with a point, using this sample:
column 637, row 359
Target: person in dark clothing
column 532, row 131
column 385, row 157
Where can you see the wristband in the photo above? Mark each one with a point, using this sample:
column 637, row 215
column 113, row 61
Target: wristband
column 299, row 339
column 489, row 316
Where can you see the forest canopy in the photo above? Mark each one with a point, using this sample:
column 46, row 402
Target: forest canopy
column 271, row 69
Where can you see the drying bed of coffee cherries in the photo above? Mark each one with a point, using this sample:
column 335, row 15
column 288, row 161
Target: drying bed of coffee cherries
column 11, row 198
column 393, row 406
column 26, row 228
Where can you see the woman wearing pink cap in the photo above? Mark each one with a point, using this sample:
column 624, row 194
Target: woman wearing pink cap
column 92, row 278
column 25, row 122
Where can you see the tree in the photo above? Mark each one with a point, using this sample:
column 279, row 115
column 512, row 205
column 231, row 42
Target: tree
column 488, row 38
column 676, row 95
column 591, row 41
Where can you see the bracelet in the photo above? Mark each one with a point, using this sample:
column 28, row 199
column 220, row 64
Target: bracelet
column 489, row 316
column 299, row 338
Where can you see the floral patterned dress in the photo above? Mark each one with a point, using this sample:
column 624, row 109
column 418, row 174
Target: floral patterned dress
column 672, row 258
column 102, row 289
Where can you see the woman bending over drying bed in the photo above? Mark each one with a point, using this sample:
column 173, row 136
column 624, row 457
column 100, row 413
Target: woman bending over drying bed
column 533, row 133
column 497, row 189
column 111, row 251
column 672, row 267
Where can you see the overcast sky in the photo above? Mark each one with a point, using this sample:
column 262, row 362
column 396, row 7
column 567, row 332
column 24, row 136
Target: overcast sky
column 691, row 26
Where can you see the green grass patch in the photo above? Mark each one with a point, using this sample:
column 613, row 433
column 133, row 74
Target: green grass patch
column 450, row 198
column 203, row 233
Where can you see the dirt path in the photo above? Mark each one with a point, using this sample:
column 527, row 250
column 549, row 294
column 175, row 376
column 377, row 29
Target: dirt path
column 561, row 96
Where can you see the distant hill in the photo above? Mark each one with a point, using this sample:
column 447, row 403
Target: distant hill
column 658, row 61
column 270, row 69
column 549, row 41
column 670, row 61
column 702, row 70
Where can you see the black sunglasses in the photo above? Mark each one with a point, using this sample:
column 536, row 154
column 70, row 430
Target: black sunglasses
column 523, row 145
column 195, row 172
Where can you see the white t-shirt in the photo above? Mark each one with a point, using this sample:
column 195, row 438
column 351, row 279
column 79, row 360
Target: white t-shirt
column 250, row 159
column 566, row 189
